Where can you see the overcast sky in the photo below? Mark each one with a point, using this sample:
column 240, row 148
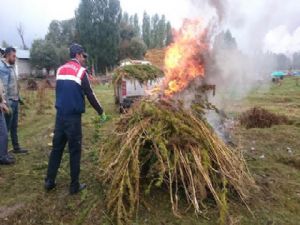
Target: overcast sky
column 255, row 23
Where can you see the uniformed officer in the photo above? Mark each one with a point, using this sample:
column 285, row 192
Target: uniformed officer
column 72, row 85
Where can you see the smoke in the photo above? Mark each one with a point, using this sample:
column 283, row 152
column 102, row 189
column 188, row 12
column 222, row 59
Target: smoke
column 257, row 27
column 250, row 21
column 219, row 5
column 280, row 40
column 234, row 73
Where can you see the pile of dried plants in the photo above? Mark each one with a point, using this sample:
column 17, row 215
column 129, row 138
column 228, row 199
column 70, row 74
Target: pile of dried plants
column 140, row 72
column 261, row 118
column 159, row 144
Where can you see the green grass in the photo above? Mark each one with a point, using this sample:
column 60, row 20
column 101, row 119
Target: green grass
column 23, row 200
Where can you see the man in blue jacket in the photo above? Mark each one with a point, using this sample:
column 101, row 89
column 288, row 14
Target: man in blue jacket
column 9, row 80
column 5, row 158
column 71, row 87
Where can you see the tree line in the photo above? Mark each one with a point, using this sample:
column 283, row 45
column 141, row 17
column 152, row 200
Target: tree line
column 263, row 63
column 108, row 34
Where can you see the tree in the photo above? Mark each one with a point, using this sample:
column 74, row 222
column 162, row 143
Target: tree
column 225, row 41
column 43, row 54
column 154, row 41
column 169, row 34
column 131, row 20
column 282, row 62
column 131, row 45
column 54, row 33
column 296, row 60
column 62, row 33
column 229, row 40
column 4, row 44
column 68, row 31
column 146, row 29
column 97, row 23
column 125, row 18
column 133, row 49
column 63, row 54
column 161, row 32
column 137, row 48
column 136, row 25
column 21, row 33
column 126, row 32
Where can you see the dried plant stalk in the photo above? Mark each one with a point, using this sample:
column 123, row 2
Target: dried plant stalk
column 159, row 143
column 261, row 118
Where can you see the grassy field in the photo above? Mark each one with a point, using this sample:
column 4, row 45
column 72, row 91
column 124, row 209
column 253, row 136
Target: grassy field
column 273, row 156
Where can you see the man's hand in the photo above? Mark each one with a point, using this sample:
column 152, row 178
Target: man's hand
column 21, row 101
column 4, row 108
column 103, row 118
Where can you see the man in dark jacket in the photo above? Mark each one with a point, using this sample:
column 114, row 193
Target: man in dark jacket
column 71, row 87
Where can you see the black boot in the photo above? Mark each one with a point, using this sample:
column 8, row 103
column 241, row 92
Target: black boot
column 20, row 151
column 76, row 189
column 11, row 157
column 6, row 160
column 49, row 185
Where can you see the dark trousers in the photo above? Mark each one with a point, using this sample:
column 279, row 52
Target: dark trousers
column 67, row 129
column 3, row 137
column 12, row 123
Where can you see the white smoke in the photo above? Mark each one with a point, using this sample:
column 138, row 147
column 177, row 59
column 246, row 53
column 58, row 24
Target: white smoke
column 234, row 73
column 219, row 5
column 237, row 72
column 281, row 40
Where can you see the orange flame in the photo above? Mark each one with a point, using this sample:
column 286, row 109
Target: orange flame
column 184, row 58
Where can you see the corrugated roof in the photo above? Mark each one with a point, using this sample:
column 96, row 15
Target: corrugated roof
column 23, row 54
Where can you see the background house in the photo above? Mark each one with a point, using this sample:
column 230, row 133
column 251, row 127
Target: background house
column 23, row 66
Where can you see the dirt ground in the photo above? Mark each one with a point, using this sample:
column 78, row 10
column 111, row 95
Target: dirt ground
column 272, row 155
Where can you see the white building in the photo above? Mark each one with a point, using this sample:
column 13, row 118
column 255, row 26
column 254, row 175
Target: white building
column 23, row 66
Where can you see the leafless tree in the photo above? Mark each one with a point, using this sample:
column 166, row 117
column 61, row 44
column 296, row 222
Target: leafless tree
column 21, row 32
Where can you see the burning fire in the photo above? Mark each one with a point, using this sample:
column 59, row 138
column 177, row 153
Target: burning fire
column 184, row 58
